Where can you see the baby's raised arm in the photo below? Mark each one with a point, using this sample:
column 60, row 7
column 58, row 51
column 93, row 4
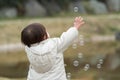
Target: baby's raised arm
column 70, row 35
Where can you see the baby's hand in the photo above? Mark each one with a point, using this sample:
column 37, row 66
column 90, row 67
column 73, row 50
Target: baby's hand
column 78, row 22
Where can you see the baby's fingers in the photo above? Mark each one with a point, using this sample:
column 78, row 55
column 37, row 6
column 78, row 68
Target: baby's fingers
column 80, row 18
column 76, row 19
column 82, row 23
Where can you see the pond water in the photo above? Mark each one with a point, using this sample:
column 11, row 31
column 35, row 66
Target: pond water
column 95, row 61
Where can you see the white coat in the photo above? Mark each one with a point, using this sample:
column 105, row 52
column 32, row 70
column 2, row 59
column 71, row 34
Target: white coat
column 46, row 57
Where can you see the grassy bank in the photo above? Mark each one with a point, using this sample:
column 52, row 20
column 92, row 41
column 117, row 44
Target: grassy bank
column 95, row 25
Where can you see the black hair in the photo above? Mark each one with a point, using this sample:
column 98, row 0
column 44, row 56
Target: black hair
column 33, row 33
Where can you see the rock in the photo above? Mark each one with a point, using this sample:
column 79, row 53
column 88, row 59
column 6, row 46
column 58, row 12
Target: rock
column 77, row 7
column 117, row 36
column 112, row 61
column 52, row 7
column 33, row 8
column 98, row 7
column 8, row 12
column 113, row 5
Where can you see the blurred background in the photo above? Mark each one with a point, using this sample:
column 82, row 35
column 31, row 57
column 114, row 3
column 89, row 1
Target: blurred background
column 94, row 55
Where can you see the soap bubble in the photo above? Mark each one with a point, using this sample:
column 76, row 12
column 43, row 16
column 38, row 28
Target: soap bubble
column 76, row 40
column 101, row 61
column 76, row 63
column 76, row 9
column 68, row 76
column 65, row 65
column 74, row 46
column 81, row 36
column 80, row 55
column 87, row 66
column 81, row 42
column 98, row 66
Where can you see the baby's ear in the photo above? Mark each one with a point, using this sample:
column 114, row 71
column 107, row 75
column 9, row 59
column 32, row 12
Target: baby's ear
column 45, row 37
column 48, row 35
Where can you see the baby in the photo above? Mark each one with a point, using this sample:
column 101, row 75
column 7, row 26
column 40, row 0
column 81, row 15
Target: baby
column 46, row 54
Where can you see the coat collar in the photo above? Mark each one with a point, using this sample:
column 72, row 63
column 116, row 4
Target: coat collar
column 42, row 42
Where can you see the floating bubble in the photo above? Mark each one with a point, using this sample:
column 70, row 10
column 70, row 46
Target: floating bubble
column 98, row 66
column 81, row 40
column 80, row 55
column 87, row 66
column 76, row 63
column 65, row 65
column 81, row 43
column 81, row 36
column 76, row 40
column 101, row 61
column 74, row 46
column 68, row 76
column 76, row 9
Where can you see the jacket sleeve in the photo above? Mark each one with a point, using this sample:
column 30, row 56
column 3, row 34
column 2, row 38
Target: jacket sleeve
column 66, row 39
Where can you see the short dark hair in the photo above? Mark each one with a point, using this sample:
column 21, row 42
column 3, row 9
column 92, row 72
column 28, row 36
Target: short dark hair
column 33, row 33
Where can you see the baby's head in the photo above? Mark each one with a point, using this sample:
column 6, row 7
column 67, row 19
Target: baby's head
column 33, row 33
